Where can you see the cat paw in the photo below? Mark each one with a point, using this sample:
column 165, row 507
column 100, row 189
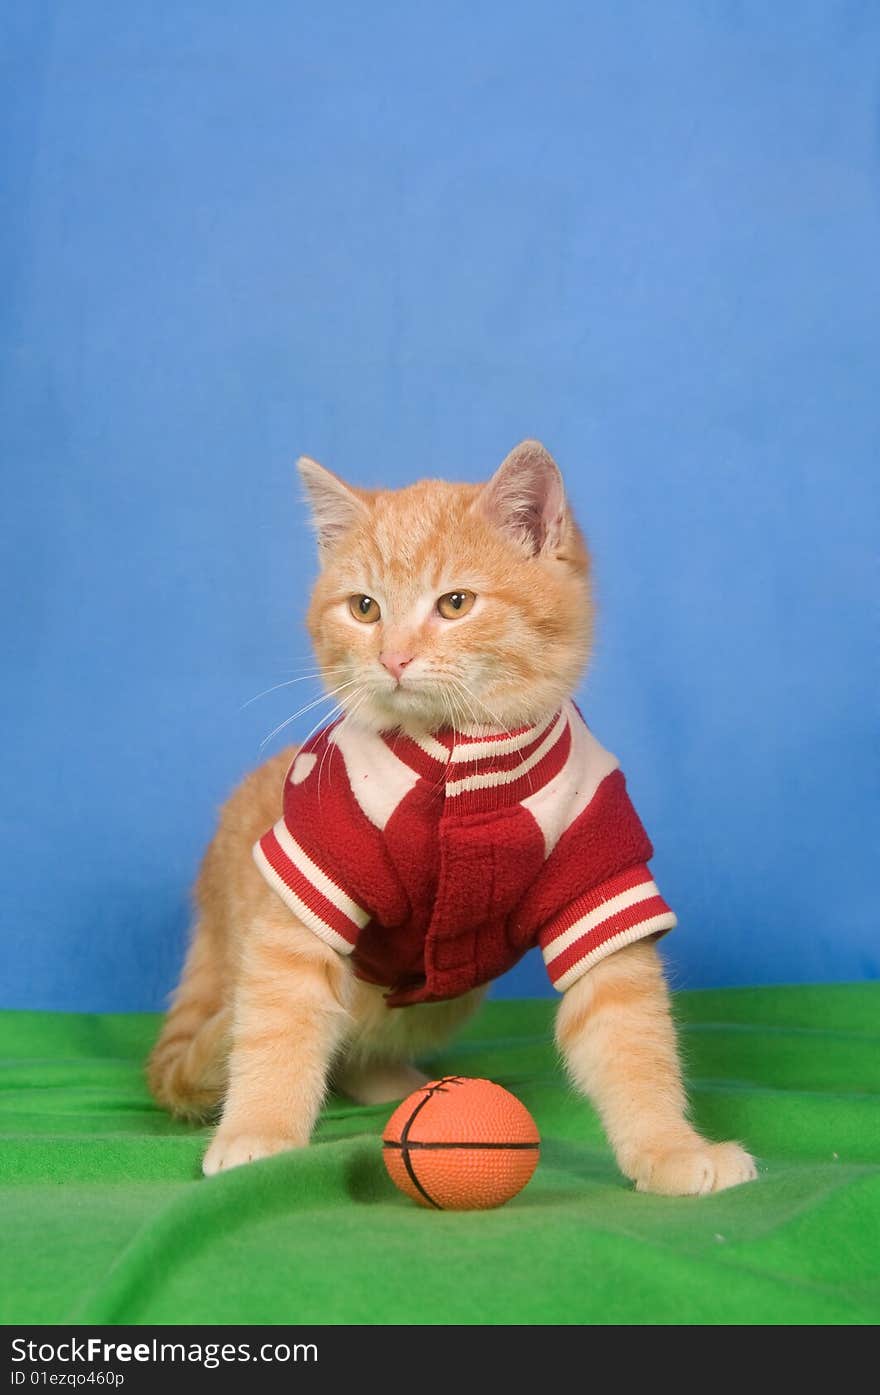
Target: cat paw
column 694, row 1170
column 234, row 1150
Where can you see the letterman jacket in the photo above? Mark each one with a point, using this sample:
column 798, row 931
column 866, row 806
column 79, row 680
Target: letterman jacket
column 436, row 863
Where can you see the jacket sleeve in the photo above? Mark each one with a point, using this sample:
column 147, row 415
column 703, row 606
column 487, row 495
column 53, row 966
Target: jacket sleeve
column 322, row 857
column 596, row 894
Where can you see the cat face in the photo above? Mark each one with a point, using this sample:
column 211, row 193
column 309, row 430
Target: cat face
column 450, row 605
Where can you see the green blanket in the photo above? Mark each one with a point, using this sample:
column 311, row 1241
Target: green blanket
column 105, row 1217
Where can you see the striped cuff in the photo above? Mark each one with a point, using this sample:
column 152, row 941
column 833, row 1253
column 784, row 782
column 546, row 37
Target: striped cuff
column 626, row 908
column 311, row 894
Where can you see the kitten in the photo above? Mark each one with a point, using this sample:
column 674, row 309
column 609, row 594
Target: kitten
column 358, row 895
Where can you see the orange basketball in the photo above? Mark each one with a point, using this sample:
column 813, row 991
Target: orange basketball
column 461, row 1145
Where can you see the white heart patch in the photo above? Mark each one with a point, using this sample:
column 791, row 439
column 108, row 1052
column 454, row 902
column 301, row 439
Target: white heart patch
column 303, row 767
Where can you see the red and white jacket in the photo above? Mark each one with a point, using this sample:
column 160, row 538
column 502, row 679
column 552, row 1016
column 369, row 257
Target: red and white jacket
column 437, row 863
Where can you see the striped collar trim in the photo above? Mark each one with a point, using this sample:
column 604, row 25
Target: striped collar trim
column 481, row 769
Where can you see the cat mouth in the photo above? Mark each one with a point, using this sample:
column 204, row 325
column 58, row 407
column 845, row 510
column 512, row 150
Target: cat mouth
column 405, row 693
column 401, row 688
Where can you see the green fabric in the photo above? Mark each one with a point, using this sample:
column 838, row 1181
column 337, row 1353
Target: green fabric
column 105, row 1218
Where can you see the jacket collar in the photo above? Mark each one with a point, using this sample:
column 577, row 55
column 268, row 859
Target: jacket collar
column 481, row 769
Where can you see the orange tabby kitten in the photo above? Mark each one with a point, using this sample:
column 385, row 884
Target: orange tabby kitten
column 453, row 623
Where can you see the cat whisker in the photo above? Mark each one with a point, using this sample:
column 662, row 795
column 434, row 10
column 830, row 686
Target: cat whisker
column 297, row 663
column 327, row 718
column 317, row 676
column 450, row 706
column 467, row 716
column 462, row 686
column 471, row 761
column 325, row 697
column 357, row 699
column 497, row 719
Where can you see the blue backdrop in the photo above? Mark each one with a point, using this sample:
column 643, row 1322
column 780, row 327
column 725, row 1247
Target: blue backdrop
column 401, row 237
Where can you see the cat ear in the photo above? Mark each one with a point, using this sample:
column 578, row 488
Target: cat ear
column 335, row 507
column 525, row 498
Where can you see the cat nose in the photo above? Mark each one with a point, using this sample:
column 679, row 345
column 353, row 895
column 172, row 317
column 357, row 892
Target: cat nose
column 395, row 663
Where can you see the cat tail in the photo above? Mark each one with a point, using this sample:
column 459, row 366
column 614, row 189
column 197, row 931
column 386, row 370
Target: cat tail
column 187, row 1069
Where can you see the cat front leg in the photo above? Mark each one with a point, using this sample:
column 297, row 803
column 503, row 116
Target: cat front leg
column 616, row 1032
column 289, row 1018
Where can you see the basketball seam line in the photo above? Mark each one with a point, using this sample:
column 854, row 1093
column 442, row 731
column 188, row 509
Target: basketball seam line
column 404, row 1137
column 413, row 1143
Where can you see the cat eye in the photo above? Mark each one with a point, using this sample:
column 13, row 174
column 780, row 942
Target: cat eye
column 365, row 609
column 455, row 604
